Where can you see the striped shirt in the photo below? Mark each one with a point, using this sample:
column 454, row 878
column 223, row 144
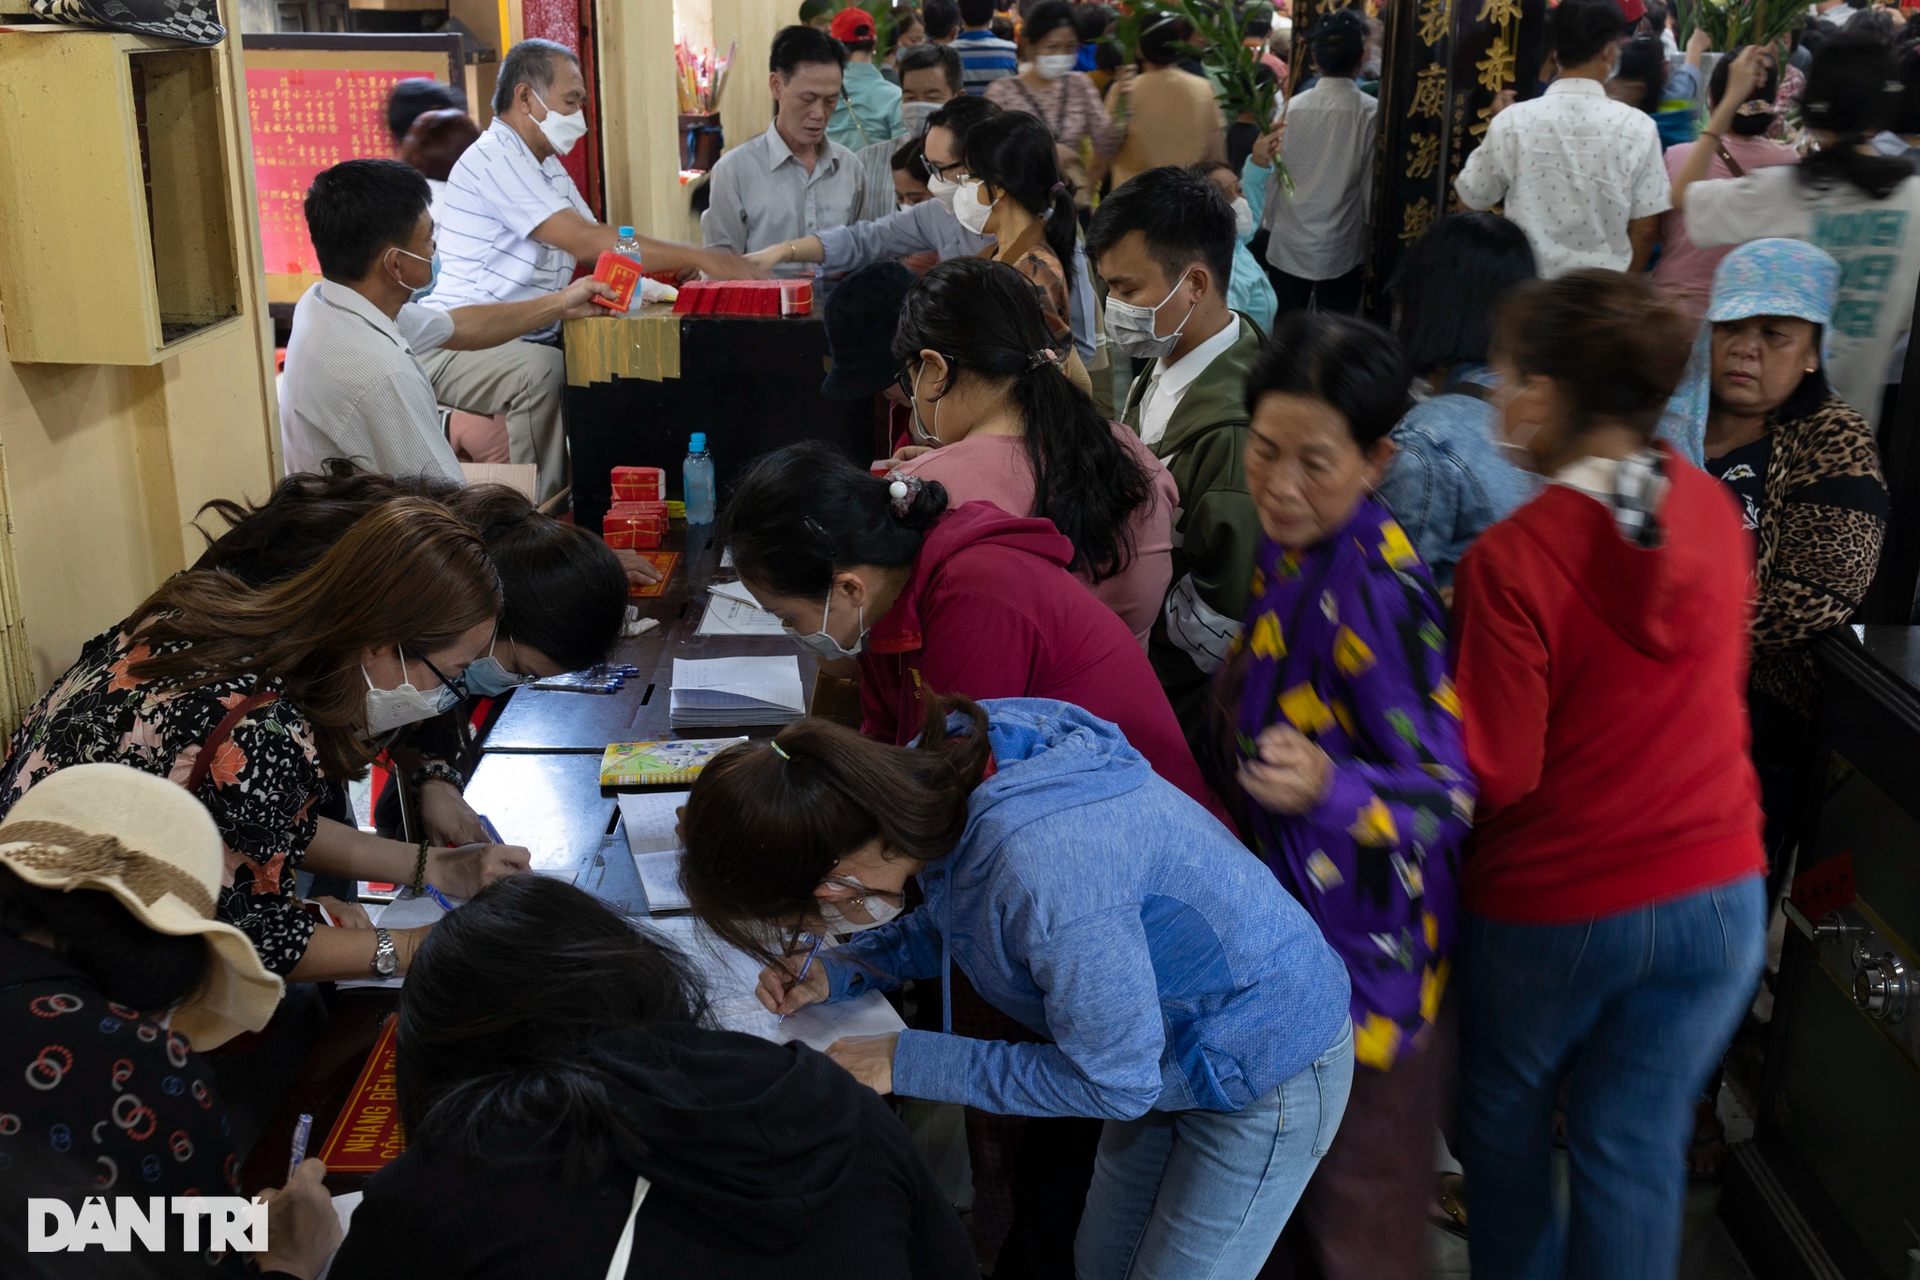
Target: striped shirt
column 984, row 58
column 496, row 195
column 354, row 389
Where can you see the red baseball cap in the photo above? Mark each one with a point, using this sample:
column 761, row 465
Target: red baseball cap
column 852, row 24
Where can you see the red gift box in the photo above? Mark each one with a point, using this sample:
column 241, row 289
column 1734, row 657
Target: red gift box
column 633, row 526
column 620, row 274
column 639, row 484
column 746, row 298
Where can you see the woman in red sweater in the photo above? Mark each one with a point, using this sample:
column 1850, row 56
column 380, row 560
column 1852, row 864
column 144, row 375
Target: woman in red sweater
column 1614, row 921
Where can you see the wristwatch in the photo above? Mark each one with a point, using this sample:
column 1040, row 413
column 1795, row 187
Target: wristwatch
column 385, row 958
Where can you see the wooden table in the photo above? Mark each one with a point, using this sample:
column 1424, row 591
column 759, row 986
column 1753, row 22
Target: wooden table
column 538, row 782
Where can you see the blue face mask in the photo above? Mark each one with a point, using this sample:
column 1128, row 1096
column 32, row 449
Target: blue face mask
column 421, row 293
column 487, row 678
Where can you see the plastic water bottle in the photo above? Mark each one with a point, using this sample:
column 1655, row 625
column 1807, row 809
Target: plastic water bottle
column 628, row 247
column 696, row 479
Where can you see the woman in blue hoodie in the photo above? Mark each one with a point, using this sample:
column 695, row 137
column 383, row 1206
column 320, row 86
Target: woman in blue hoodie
column 1172, row 987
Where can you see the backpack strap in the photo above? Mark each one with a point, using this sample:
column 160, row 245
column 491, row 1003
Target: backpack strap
column 203, row 763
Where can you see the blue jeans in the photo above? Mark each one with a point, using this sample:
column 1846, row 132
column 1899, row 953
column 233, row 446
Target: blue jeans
column 1202, row 1195
column 1632, row 1011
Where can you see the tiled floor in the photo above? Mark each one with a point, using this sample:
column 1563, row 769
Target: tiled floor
column 1707, row 1253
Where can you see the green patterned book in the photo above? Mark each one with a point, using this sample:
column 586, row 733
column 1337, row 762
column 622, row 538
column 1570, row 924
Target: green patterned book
column 674, row 763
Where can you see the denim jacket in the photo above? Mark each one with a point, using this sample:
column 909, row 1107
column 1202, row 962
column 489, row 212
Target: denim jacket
column 1448, row 482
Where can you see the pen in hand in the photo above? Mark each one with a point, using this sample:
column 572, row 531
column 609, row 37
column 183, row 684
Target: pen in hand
column 805, row 966
column 301, row 1132
column 439, row 898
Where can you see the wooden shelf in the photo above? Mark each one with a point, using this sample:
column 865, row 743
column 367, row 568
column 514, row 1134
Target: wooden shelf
column 117, row 243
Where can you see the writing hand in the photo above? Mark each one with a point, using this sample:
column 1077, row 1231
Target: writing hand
column 781, row 995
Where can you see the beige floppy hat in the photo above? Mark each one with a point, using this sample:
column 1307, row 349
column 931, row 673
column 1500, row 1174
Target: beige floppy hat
column 151, row 845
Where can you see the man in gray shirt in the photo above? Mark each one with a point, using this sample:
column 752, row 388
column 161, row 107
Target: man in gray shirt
column 929, row 225
column 792, row 180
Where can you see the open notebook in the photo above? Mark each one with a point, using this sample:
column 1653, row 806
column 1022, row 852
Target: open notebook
column 720, row 692
column 732, row 975
column 650, row 819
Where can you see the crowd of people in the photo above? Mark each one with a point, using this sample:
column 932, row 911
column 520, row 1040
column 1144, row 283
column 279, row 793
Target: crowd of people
column 1282, row 738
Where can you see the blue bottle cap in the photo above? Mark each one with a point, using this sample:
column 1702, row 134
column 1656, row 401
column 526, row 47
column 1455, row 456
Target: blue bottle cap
column 698, row 444
column 626, row 232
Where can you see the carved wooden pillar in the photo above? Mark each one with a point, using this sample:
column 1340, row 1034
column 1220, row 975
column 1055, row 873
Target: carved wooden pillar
column 1444, row 62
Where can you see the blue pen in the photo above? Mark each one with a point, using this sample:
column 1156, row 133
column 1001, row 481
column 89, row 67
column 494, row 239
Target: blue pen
column 437, row 897
column 818, row 938
column 486, row 825
column 301, row 1132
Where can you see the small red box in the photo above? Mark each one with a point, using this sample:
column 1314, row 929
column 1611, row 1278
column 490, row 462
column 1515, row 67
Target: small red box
column 639, row 484
column 882, row 467
column 628, row 528
column 620, row 274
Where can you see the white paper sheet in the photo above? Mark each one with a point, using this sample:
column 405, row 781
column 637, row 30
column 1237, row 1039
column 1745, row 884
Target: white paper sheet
column 726, row 616
column 734, row 591
column 731, row 977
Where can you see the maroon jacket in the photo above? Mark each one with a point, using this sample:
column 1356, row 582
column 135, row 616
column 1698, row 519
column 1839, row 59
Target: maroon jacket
column 991, row 612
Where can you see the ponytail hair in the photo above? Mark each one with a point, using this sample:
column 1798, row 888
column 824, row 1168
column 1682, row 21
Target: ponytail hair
column 767, row 822
column 1854, row 89
column 1015, row 152
column 802, row 513
column 982, row 316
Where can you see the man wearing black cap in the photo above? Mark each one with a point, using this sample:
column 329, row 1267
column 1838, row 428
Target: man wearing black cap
column 862, row 314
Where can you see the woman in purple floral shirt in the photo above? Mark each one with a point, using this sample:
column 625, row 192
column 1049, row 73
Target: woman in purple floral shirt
column 1339, row 740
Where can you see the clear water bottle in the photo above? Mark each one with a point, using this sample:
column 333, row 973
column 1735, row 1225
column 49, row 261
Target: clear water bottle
column 696, row 479
column 629, row 246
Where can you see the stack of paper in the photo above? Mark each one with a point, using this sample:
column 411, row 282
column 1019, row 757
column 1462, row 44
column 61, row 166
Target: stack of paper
column 731, row 976
column 651, row 820
column 731, row 611
column 720, row 692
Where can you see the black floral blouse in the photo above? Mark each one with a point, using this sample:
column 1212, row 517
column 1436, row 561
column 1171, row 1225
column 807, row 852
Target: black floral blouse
column 261, row 790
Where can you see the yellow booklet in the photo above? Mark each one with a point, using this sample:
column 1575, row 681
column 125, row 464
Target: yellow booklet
column 673, row 763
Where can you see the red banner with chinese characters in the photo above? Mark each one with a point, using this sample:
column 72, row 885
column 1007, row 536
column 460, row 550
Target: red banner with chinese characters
column 368, row 1134
column 305, row 121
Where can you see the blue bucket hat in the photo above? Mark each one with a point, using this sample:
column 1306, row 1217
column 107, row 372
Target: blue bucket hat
column 1760, row 278
column 1777, row 278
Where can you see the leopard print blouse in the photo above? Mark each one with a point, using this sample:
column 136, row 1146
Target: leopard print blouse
column 1819, row 543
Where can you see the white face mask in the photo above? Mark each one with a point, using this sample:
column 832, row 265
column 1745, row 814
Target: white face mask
column 881, row 909
column 388, row 709
column 1515, row 451
column 1242, row 219
column 943, row 190
column 914, row 116
column 1132, row 327
column 967, row 207
column 1053, row 66
column 922, row 433
column 561, row 131
column 822, row 645
column 904, row 206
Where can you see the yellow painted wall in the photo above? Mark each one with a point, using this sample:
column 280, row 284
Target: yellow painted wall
column 640, row 112
column 103, row 466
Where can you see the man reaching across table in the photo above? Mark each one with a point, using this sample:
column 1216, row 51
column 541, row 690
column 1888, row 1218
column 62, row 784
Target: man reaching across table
column 513, row 227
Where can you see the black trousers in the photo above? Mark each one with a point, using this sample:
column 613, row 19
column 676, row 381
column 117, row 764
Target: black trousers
column 1342, row 293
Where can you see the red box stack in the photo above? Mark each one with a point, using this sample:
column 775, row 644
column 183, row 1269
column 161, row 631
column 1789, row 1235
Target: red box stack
column 639, row 484
column 634, row 526
column 746, row 298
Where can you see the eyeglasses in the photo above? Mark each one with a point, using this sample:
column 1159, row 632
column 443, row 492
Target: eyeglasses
column 907, row 375
column 940, row 170
column 458, row 683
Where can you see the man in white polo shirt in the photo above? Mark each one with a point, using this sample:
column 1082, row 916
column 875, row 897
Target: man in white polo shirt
column 512, row 227
column 354, row 386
